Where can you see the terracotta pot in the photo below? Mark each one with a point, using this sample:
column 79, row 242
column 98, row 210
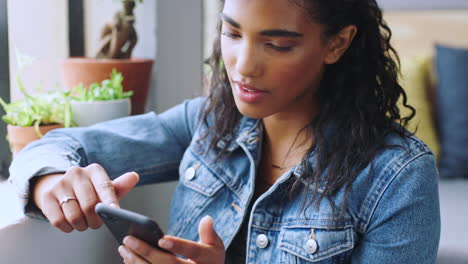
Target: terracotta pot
column 136, row 72
column 19, row 136
column 90, row 113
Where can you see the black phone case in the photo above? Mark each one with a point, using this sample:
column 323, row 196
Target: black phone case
column 122, row 223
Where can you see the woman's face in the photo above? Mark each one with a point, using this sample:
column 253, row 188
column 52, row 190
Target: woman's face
column 274, row 56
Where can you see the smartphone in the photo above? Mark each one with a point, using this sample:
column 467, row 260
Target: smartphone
column 122, row 223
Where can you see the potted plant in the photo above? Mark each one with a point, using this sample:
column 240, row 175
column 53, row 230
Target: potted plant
column 100, row 101
column 118, row 38
column 32, row 117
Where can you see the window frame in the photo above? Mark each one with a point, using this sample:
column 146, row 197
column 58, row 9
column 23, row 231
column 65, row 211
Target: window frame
column 5, row 154
column 76, row 28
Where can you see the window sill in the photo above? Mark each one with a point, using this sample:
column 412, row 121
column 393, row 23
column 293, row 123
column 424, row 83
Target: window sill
column 9, row 206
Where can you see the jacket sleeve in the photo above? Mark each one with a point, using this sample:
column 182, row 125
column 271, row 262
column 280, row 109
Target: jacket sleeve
column 405, row 224
column 149, row 144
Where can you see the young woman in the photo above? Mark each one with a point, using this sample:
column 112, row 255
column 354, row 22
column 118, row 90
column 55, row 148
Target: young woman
column 298, row 155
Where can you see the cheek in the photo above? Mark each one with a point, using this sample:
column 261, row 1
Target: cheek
column 301, row 72
column 227, row 53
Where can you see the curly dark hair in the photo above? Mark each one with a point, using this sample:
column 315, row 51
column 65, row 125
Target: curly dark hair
column 358, row 94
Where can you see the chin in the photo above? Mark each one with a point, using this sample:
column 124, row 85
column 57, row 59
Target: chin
column 250, row 110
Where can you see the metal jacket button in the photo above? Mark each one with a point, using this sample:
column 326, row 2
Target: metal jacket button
column 189, row 174
column 262, row 241
column 311, row 246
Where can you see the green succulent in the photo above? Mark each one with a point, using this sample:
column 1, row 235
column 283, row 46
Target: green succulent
column 48, row 109
column 110, row 89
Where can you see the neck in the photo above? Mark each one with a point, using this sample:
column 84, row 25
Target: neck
column 287, row 137
column 284, row 127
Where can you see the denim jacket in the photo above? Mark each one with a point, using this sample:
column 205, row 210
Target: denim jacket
column 392, row 214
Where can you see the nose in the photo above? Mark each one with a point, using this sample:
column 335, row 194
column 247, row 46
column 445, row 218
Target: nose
column 249, row 62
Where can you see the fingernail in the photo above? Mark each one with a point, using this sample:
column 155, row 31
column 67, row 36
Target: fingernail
column 207, row 218
column 132, row 173
column 129, row 241
column 114, row 205
column 122, row 251
column 165, row 243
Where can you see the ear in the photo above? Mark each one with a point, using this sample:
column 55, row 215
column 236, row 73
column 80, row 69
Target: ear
column 339, row 43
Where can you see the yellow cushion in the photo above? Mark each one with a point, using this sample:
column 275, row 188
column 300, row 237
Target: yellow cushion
column 416, row 81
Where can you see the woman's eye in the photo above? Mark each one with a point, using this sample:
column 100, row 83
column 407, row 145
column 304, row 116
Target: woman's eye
column 230, row 35
column 280, row 48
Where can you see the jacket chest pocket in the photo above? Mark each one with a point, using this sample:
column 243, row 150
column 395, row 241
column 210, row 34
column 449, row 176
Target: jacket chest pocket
column 198, row 188
column 200, row 179
column 315, row 244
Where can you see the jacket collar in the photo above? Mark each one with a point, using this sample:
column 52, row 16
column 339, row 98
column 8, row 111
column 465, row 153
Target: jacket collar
column 249, row 129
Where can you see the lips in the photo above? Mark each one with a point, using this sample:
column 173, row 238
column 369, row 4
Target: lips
column 249, row 94
column 248, row 88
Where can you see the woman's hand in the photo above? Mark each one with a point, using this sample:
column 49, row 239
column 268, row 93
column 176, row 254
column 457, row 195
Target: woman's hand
column 210, row 249
column 68, row 200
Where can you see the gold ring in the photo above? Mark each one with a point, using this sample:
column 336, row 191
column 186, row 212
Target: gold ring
column 66, row 199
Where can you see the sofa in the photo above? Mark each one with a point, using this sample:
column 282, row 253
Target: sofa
column 437, row 87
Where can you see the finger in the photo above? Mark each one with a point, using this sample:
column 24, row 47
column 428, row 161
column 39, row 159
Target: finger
column 102, row 184
column 54, row 214
column 149, row 253
column 207, row 233
column 130, row 257
column 186, row 248
column 125, row 183
column 211, row 245
column 87, row 199
column 72, row 212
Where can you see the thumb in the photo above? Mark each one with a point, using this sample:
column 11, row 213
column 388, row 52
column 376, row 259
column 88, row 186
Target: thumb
column 125, row 183
column 207, row 234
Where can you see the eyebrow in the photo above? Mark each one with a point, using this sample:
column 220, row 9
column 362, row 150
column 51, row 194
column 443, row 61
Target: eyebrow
column 230, row 21
column 267, row 33
column 280, row 33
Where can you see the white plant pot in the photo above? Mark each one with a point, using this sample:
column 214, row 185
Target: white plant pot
column 90, row 113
